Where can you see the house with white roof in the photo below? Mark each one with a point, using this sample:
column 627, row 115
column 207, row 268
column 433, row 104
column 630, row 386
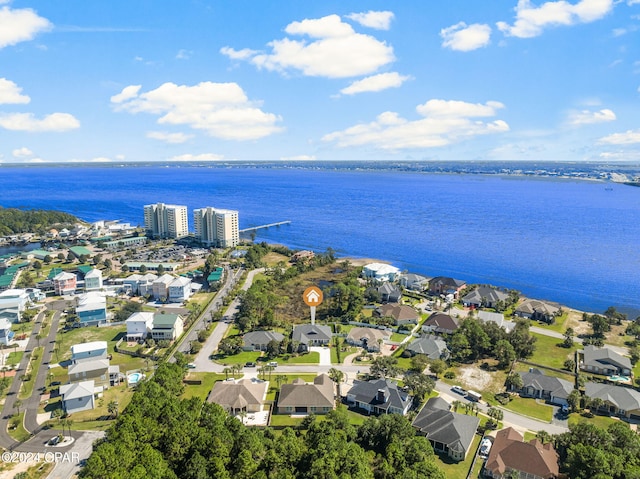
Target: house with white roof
column 380, row 271
column 92, row 308
column 89, row 351
column 498, row 318
column 179, row 289
column 93, row 280
column 78, row 397
column 65, row 283
column 139, row 325
column 160, row 287
column 6, row 335
column 96, row 370
column 140, row 284
column 12, row 303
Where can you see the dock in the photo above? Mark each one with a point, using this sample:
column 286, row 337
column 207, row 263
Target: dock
column 254, row 228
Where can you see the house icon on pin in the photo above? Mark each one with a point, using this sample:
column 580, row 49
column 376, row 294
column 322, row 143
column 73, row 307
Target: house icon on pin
column 312, row 296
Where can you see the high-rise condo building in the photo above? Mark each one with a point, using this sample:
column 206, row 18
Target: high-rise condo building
column 215, row 227
column 166, row 221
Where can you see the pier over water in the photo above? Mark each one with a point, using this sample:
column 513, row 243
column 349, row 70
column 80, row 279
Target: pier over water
column 254, row 228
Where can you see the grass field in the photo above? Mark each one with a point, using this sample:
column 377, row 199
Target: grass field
column 530, row 407
column 202, row 390
column 458, row 470
column 240, row 358
column 19, row 433
column 308, row 358
column 34, row 365
column 549, row 353
column 14, row 358
column 286, row 420
column 600, row 421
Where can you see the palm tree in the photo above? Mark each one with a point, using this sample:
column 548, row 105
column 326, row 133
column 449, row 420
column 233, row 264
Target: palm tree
column 226, row 372
column 456, row 404
column 112, row 407
column 337, row 377
column 17, row 404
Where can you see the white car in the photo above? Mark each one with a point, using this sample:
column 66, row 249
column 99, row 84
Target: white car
column 485, row 447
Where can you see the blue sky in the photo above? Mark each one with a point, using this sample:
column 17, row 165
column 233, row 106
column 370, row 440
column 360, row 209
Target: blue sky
column 98, row 81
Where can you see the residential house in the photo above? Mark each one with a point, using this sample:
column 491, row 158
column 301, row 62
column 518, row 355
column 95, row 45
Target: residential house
column 368, row 338
column 6, row 335
column 92, row 309
column 179, row 289
column 65, row 283
column 307, row 335
column 88, row 351
column 78, row 397
column 245, row 395
column 96, row 370
column 498, row 318
column 93, row 280
column 529, row 460
column 449, row 432
column 389, row 293
column 13, row 302
column 401, row 313
column 440, row 323
column 379, row 396
column 140, row 284
column 431, row 346
column 380, row 272
column 445, row 285
column 616, row 400
column 414, row 282
column 537, row 310
column 160, row 287
column 536, row 384
column 259, row 340
column 604, row 361
column 139, row 325
column 167, row 327
column 484, row 297
column 307, row 398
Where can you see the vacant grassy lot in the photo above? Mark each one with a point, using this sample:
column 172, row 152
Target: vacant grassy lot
column 530, row 407
column 308, row 358
column 240, row 358
column 286, row 420
column 202, row 390
column 600, row 421
column 549, row 352
column 66, row 339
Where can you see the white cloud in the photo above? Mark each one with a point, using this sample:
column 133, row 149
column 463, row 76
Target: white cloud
column 173, row 138
column 373, row 19
column 336, row 50
column 221, row 109
column 588, row 117
column 22, row 152
column 299, row 158
column 184, row 54
column 531, row 20
column 200, row 157
column 378, row 82
column 11, row 93
column 464, row 38
column 629, row 137
column 57, row 122
column 443, row 123
column 20, row 25
column 633, row 2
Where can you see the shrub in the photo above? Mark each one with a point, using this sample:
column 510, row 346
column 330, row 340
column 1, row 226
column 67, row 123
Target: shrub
column 449, row 375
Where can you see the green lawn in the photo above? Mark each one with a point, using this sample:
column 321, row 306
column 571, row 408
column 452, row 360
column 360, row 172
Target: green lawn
column 343, row 354
column 567, row 376
column 19, row 433
column 397, row 337
column 458, row 470
column 600, row 421
column 15, row 357
column 66, row 339
column 308, row 358
column 529, row 407
column 286, row 420
column 34, row 365
column 201, row 390
column 549, row 353
column 240, row 358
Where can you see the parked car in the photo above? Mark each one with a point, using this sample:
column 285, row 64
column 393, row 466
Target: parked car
column 191, row 365
column 250, row 364
column 54, row 440
column 459, row 390
column 273, row 364
column 485, row 447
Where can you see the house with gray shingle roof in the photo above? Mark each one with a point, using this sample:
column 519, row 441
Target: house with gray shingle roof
column 537, row 310
column 307, row 335
column 498, row 318
column 379, row 396
column 431, row 346
column 78, row 397
column 604, row 361
column 617, row 400
column 448, row 432
column 484, row 297
column 301, row 397
column 535, row 384
column 389, row 293
column 414, row 282
column 258, row 340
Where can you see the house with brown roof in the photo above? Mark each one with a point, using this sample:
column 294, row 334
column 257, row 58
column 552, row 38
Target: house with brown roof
column 367, row 338
column 446, row 285
column 245, row 395
column 532, row 460
column 440, row 323
column 301, row 397
column 537, row 310
column 401, row 313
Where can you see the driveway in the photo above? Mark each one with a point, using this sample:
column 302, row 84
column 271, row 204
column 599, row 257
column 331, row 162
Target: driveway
column 325, row 355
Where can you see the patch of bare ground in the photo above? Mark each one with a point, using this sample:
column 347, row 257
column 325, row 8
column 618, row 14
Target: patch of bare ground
column 360, row 261
column 574, row 320
column 473, row 377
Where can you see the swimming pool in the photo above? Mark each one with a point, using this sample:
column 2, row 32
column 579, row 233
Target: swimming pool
column 134, row 378
column 621, row 379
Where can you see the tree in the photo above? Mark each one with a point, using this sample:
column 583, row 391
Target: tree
column 112, row 408
column 543, row 436
column 523, row 343
column 419, row 363
column 384, row 367
column 337, row 377
column 273, row 348
column 437, row 367
column 496, row 415
column 514, row 382
column 419, row 385
column 570, row 365
column 17, row 405
column 505, row 353
column 568, row 338
column 573, row 400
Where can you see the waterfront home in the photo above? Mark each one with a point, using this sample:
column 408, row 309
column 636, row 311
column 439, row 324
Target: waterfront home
column 440, row 323
column 307, row 335
column 259, row 340
column 93, row 280
column 167, row 327
column 537, row 310
column 536, row 384
column 379, row 396
column 380, row 272
column 484, row 297
column 604, row 361
column 414, row 282
column 431, row 346
column 245, row 395
column 301, row 397
column 445, row 285
column 139, row 325
column 88, row 351
column 389, row 293
column 96, row 370
column 616, row 400
column 179, row 289
column 400, row 313
column 448, row 432
column 65, row 283
column 368, row 338
column 78, row 397
column 510, row 454
column 6, row 335
column 92, row 308
column 498, row 318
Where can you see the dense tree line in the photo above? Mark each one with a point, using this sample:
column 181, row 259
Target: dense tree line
column 14, row 221
column 162, row 436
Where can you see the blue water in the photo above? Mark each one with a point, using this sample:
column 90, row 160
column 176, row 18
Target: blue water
column 575, row 242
